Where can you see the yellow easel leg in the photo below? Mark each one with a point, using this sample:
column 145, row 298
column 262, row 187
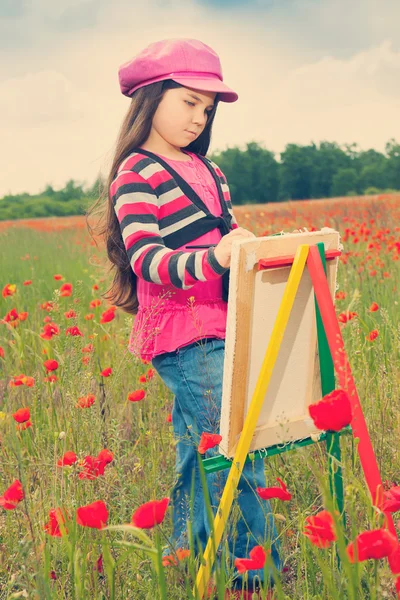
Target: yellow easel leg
column 252, row 416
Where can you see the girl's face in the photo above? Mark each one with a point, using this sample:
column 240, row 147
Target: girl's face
column 179, row 113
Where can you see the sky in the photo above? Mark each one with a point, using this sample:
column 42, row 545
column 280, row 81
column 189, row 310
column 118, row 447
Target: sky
column 305, row 71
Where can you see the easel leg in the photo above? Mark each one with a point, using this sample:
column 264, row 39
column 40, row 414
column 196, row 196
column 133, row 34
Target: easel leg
column 328, row 385
column 252, row 416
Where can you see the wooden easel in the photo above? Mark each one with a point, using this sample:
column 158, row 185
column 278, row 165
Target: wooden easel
column 332, row 358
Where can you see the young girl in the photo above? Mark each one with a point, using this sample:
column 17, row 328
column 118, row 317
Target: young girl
column 164, row 196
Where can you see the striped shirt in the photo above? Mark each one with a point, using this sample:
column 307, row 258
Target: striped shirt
column 165, row 320
column 153, row 210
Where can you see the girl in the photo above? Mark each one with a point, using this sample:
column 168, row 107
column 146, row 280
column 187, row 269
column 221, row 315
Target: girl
column 164, row 195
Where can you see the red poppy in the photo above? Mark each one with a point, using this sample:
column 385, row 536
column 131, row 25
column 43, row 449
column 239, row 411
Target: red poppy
column 207, row 441
column 333, row 412
column 49, row 330
column 74, row 331
column 51, row 364
column 374, row 307
column 319, row 529
column 105, row 456
column 93, row 515
column 170, row 559
column 70, row 314
column 22, row 415
column 256, row 561
column 106, row 372
column 85, row 401
column 169, row 418
column 1, row 352
column 136, row 395
column 392, row 500
column 347, row 316
column 9, row 290
column 88, row 348
column 52, row 527
column 274, row 492
column 95, row 465
column 66, row 289
column 107, row 316
column 376, row 544
column 57, row 277
column 12, row 496
column 67, row 460
column 372, row 335
column 150, row 514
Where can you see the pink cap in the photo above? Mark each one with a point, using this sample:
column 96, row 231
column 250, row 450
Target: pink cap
column 186, row 61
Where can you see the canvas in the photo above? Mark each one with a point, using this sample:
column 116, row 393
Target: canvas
column 254, row 299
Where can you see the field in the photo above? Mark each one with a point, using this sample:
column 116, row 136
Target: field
column 52, row 277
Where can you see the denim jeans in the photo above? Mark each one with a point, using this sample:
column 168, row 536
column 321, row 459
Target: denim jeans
column 194, row 374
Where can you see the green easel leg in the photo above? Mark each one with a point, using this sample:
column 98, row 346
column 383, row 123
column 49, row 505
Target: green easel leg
column 328, row 385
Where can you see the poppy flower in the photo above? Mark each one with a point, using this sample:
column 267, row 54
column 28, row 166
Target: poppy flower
column 347, row 316
column 105, row 456
column 274, row 492
column 376, row 544
column 136, row 395
column 169, row 418
column 52, row 527
column 170, row 559
column 207, row 441
column 107, row 316
column 333, row 412
column 66, row 289
column 49, row 330
column 9, row 290
column 22, row 415
column 94, row 303
column 106, row 372
column 74, row 331
column 12, row 496
column 67, row 460
column 57, row 277
column 85, row 401
column 150, row 514
column 1, row 352
column 95, row 465
column 51, row 364
column 372, row 335
column 93, row 515
column 374, row 307
column 256, row 561
column 70, row 314
column 88, row 348
column 319, row 529
column 392, row 500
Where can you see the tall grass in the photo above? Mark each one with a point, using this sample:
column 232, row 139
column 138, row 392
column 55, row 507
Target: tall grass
column 36, row 565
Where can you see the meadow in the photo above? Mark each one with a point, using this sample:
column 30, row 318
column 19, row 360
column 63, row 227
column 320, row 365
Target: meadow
column 98, row 429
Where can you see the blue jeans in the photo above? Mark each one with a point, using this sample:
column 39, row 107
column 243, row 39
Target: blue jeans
column 194, row 374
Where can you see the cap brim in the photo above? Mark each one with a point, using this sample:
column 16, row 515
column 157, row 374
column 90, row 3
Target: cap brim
column 225, row 94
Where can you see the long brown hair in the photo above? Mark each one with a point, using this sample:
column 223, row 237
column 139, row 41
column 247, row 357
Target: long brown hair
column 134, row 131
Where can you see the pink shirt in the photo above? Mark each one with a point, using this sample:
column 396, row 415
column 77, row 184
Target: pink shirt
column 166, row 318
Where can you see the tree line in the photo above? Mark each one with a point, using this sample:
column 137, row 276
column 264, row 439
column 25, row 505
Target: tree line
column 254, row 176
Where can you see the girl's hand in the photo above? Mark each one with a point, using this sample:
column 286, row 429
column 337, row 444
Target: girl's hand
column 224, row 248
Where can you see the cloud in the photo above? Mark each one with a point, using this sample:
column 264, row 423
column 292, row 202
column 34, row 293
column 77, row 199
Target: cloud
column 45, row 98
column 299, row 73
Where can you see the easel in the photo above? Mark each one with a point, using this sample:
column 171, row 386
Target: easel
column 332, row 358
